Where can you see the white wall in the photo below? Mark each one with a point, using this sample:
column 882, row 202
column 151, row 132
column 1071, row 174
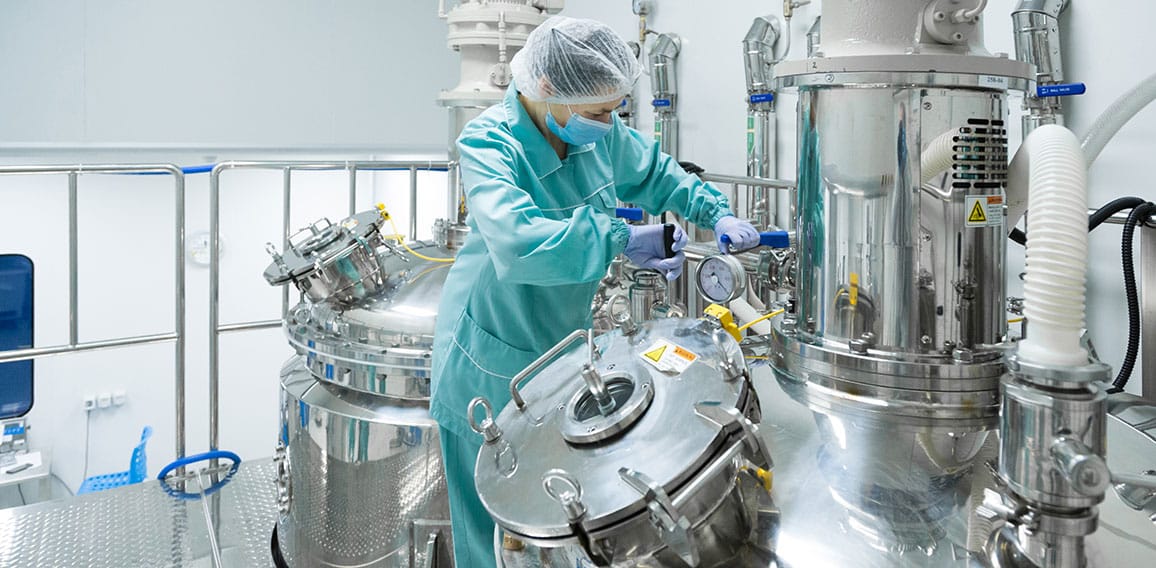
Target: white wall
column 270, row 73
column 162, row 80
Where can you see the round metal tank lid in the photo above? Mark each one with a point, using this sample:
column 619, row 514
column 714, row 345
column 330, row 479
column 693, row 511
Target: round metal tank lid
column 668, row 440
column 320, row 243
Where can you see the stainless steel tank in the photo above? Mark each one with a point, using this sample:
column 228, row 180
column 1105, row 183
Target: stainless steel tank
column 638, row 449
column 360, row 476
column 892, row 335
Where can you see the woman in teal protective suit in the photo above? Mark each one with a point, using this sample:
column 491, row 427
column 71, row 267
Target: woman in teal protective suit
column 543, row 172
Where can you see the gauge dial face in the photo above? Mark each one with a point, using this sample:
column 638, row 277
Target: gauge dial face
column 721, row 278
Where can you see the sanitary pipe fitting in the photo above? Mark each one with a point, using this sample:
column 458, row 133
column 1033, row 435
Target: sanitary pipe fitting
column 663, row 75
column 1036, row 30
column 759, row 53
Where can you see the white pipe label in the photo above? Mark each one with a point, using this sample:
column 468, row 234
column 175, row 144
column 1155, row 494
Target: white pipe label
column 993, row 81
column 983, row 211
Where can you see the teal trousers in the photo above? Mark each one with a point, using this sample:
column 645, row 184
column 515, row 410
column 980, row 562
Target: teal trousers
column 473, row 528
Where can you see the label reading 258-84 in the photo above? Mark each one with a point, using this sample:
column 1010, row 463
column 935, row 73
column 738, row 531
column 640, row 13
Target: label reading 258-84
column 983, row 211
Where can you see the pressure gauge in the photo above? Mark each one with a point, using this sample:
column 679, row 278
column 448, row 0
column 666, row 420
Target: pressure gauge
column 721, row 278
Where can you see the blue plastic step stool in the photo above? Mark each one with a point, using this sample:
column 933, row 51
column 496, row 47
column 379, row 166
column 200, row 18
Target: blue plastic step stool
column 137, row 470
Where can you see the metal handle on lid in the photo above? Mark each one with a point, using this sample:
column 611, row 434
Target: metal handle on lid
column 488, row 428
column 540, row 362
column 570, row 500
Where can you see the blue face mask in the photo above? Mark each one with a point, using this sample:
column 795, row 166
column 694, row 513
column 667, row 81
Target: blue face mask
column 579, row 130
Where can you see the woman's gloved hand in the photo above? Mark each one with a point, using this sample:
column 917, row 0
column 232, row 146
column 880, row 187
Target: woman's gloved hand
column 742, row 234
column 647, row 248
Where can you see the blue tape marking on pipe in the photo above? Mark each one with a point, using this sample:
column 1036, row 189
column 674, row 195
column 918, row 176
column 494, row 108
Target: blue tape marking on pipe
column 762, row 98
column 773, row 239
column 628, row 213
column 189, row 460
column 1062, row 90
column 660, row 102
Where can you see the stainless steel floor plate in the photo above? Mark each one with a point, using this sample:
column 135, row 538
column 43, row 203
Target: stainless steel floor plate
column 143, row 526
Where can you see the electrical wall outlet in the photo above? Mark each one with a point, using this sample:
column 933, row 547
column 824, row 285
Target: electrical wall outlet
column 104, row 400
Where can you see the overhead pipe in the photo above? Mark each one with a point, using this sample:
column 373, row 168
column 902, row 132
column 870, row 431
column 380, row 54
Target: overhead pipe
column 1036, row 29
column 758, row 59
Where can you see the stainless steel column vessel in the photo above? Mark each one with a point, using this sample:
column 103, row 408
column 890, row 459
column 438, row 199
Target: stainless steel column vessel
column 638, row 449
column 360, row 478
column 891, row 335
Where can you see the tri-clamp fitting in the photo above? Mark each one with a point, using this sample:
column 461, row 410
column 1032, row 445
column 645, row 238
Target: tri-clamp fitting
column 1052, row 446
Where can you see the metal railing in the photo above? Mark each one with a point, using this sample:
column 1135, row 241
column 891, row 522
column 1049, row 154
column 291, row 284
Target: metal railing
column 749, row 181
column 287, row 168
column 74, row 344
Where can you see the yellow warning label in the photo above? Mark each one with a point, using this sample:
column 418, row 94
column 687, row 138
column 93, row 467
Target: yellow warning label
column 656, row 354
column 983, row 211
column 977, row 215
column 669, row 357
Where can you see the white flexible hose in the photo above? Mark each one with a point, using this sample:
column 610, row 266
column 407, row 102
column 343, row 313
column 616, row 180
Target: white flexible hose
column 745, row 312
column 1057, row 249
column 937, row 157
column 1119, row 113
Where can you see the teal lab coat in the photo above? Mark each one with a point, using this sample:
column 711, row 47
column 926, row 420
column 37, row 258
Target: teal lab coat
column 543, row 233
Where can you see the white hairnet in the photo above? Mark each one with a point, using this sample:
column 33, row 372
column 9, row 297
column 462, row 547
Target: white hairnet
column 573, row 61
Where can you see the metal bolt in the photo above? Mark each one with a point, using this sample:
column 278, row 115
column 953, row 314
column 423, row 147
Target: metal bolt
column 830, row 78
column 939, row 16
column 963, row 355
column 925, row 340
column 957, row 36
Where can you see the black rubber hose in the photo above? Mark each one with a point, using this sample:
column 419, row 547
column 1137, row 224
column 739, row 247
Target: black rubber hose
column 1139, row 214
column 1111, row 208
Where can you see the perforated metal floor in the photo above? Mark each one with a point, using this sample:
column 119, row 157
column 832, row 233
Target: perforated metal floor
column 143, row 526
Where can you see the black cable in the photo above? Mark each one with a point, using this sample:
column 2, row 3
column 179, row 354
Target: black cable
column 23, row 501
column 1139, row 214
column 1111, row 208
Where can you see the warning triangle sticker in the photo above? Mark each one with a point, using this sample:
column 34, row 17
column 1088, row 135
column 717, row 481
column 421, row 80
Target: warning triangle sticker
column 977, row 215
column 655, row 354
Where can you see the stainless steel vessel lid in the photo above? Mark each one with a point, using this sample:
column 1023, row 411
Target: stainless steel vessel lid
column 320, row 244
column 665, row 380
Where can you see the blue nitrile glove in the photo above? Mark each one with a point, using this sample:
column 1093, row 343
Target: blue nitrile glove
column 647, row 248
column 742, row 234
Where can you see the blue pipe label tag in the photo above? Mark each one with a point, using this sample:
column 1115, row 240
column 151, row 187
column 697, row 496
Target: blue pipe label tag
column 762, row 98
column 661, row 102
column 983, row 211
column 1062, row 90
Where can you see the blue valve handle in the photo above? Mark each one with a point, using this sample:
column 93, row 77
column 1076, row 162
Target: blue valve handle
column 773, row 239
column 188, row 460
column 1061, row 90
column 628, row 213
